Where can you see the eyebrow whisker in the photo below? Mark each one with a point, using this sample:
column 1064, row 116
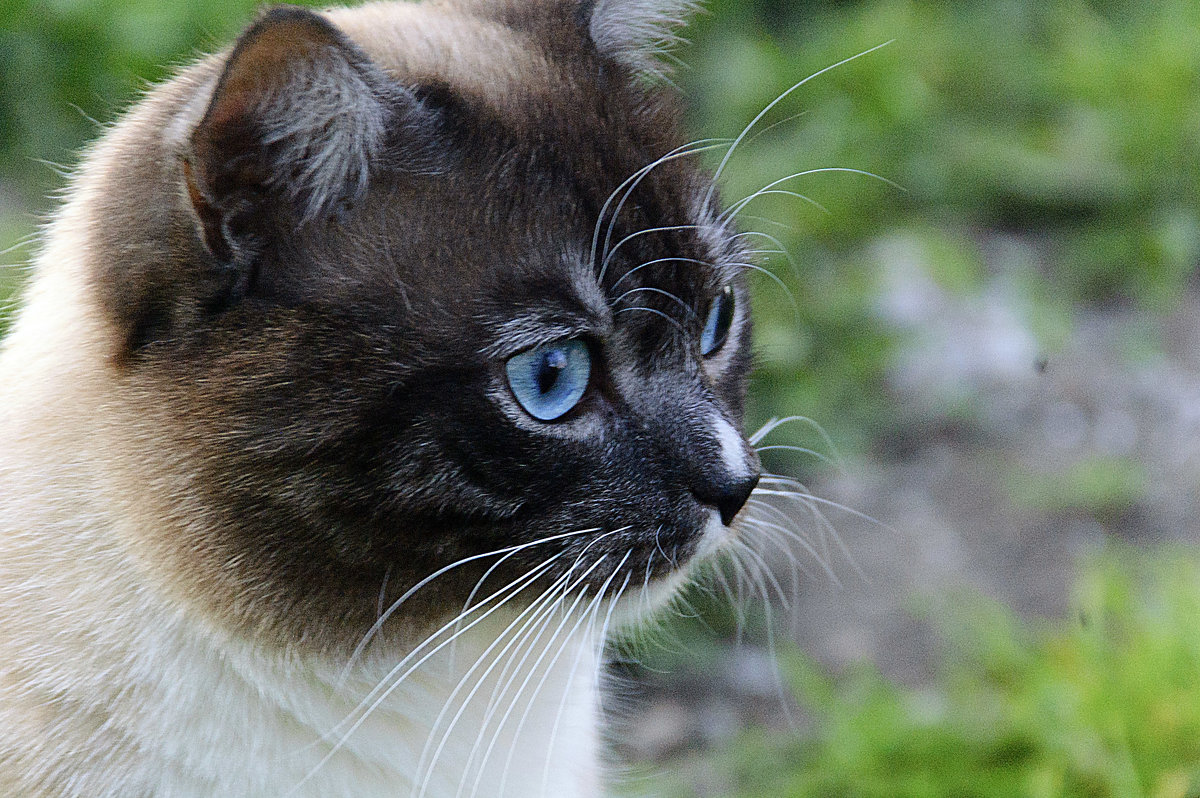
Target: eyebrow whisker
column 692, row 148
column 664, row 229
column 753, row 122
column 676, row 324
column 690, row 310
column 695, row 261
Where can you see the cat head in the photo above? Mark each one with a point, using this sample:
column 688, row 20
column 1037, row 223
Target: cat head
column 406, row 290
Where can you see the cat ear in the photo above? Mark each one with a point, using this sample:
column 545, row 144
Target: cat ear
column 299, row 114
column 637, row 32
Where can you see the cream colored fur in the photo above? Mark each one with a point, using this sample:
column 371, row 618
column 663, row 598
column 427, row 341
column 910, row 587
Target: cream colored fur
column 439, row 40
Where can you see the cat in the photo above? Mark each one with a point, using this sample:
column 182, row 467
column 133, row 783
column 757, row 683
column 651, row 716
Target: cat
column 372, row 372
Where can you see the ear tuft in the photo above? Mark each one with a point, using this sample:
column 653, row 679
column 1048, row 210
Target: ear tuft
column 639, row 32
column 299, row 112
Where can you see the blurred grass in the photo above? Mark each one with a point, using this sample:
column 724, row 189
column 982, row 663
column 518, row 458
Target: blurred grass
column 67, row 67
column 1074, row 124
column 1100, row 487
column 1103, row 705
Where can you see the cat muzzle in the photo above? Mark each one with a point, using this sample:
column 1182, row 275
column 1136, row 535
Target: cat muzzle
column 729, row 497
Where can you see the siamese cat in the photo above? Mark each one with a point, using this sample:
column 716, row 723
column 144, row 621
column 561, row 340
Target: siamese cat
column 373, row 371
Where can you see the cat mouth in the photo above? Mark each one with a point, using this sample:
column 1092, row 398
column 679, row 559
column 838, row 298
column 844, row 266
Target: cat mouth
column 664, row 570
column 715, row 534
column 663, row 556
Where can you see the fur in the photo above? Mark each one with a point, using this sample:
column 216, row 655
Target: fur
column 271, row 521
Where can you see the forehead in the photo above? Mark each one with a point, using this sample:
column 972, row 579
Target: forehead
column 532, row 224
column 471, row 50
column 551, row 143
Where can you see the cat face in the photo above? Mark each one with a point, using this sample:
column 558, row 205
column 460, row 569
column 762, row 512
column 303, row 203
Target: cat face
column 412, row 289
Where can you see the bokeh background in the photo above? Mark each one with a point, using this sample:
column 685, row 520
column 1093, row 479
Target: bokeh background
column 995, row 349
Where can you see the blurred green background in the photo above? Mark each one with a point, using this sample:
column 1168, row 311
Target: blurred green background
column 997, row 341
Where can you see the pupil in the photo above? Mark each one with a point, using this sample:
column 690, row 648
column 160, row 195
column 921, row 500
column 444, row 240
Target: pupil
column 724, row 313
column 720, row 319
column 553, row 362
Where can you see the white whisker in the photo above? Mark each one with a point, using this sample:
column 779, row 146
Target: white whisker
column 501, row 691
column 799, row 449
column 733, row 210
column 690, row 310
column 746, row 130
column 671, row 228
column 623, row 277
column 383, row 617
column 491, row 569
column 529, row 705
column 784, row 226
column 751, row 570
column 761, row 524
column 564, row 592
column 383, row 593
column 533, row 616
column 537, row 620
column 658, row 313
column 774, row 278
column 826, row 528
column 766, row 571
column 828, row 503
column 556, row 604
column 781, row 249
column 692, row 148
column 512, row 704
column 757, row 505
column 774, row 423
column 357, row 716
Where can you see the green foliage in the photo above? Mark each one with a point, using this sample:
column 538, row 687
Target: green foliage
column 1102, row 487
column 69, row 67
column 1106, row 705
column 1071, row 124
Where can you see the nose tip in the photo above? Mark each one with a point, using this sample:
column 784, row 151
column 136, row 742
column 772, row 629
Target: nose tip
column 729, row 497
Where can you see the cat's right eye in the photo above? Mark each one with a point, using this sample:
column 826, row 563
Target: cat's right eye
column 716, row 326
column 550, row 380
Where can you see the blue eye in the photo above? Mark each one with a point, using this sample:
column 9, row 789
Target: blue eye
column 716, row 327
column 550, row 380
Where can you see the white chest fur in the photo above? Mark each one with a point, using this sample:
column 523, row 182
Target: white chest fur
column 177, row 714
column 493, row 715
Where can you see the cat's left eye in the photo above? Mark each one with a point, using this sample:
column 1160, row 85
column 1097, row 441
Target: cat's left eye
column 550, row 380
column 716, row 326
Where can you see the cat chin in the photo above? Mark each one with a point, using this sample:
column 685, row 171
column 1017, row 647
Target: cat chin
column 712, row 539
column 638, row 607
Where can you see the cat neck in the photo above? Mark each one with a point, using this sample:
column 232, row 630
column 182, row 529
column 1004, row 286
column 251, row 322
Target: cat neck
column 500, row 711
